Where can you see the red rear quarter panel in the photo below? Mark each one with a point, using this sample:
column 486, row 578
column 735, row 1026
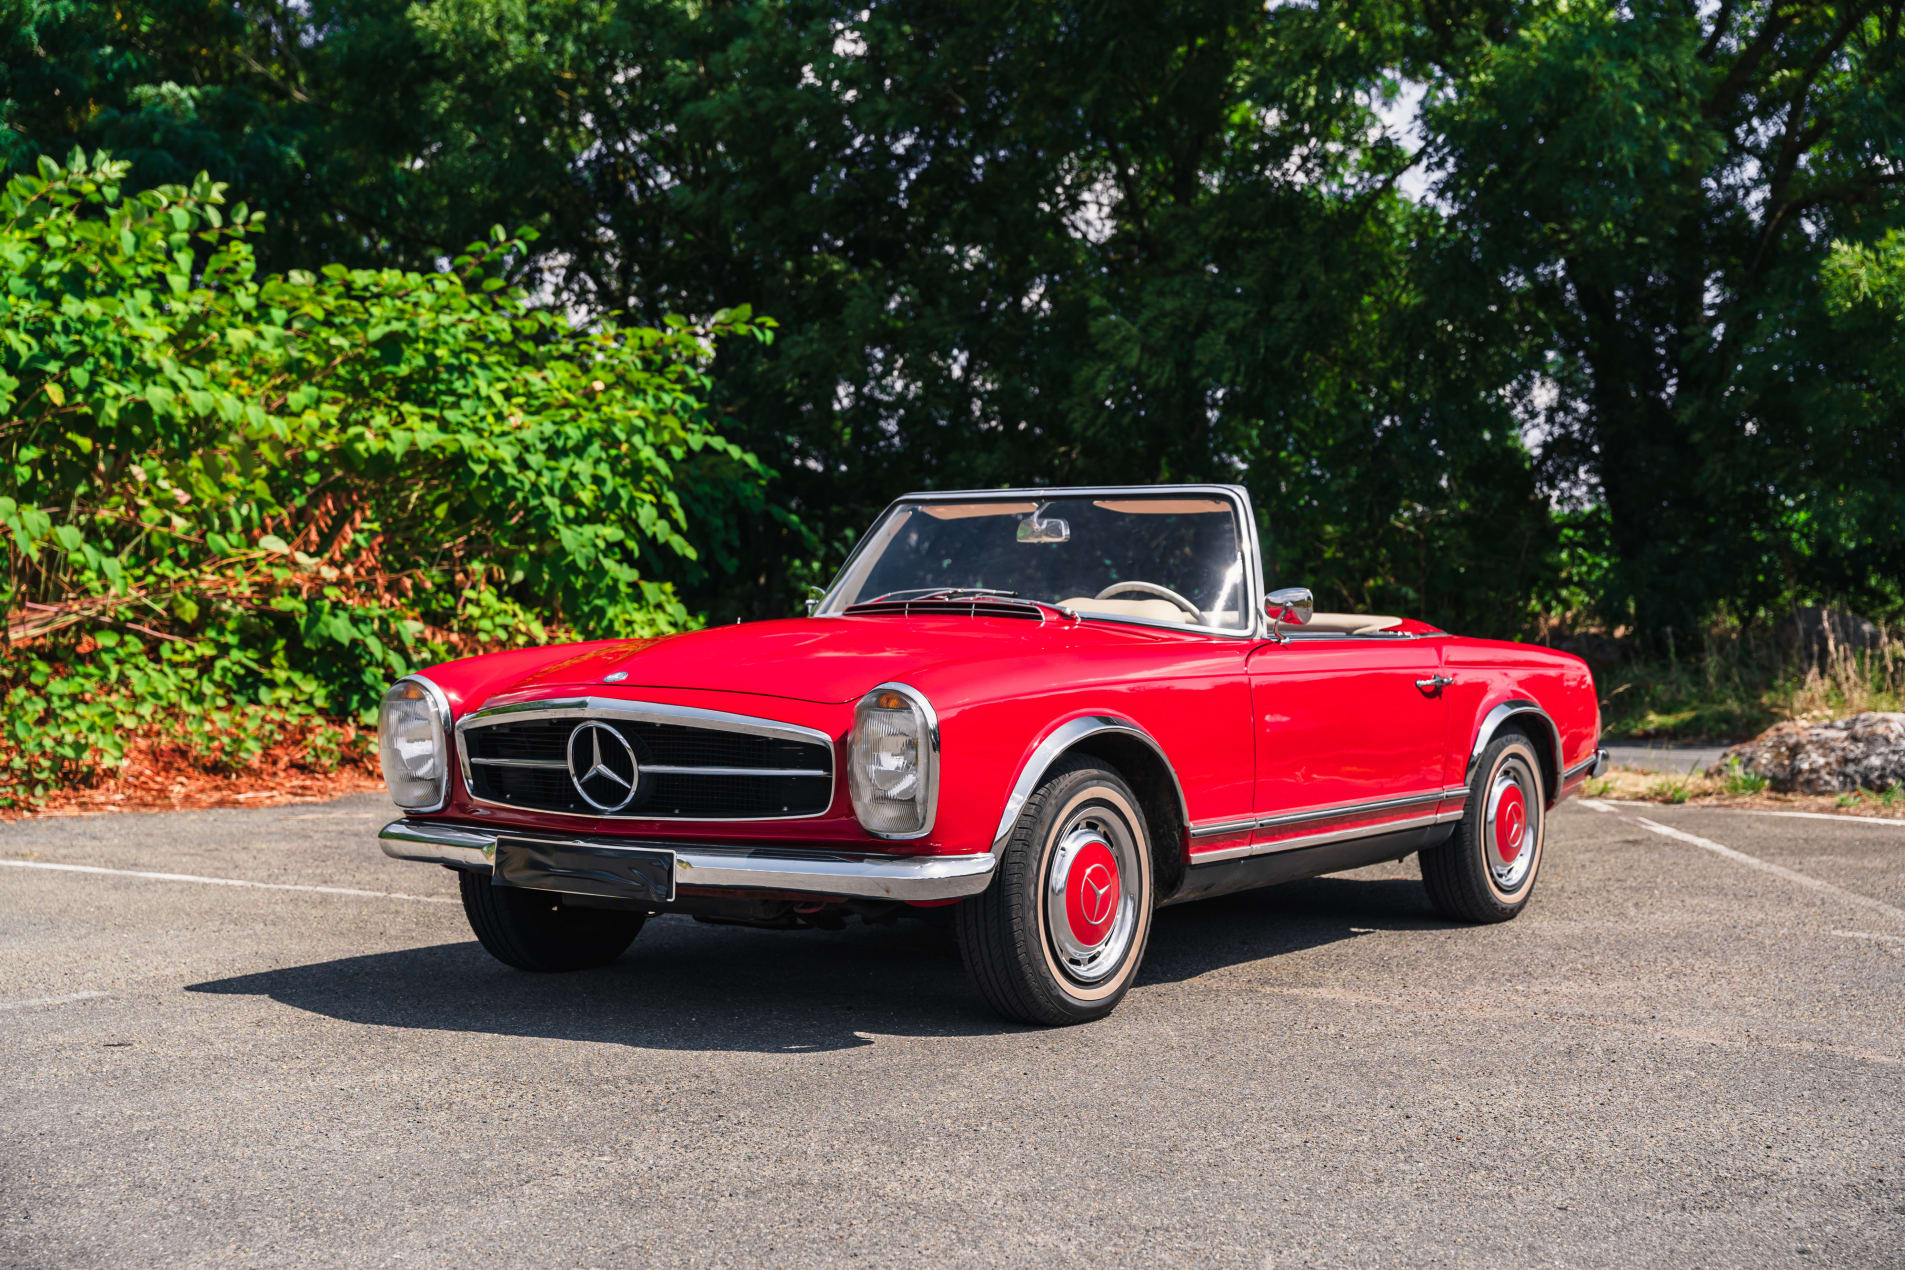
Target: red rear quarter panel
column 1489, row 672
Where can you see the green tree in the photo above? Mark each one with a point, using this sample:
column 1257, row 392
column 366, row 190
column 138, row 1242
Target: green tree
column 299, row 485
column 1656, row 192
column 1115, row 240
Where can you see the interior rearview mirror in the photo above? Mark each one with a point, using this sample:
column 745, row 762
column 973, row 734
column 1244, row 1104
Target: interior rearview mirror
column 1032, row 529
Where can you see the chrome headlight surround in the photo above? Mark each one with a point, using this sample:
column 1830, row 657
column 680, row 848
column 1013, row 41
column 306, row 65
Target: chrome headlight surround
column 413, row 726
column 893, row 762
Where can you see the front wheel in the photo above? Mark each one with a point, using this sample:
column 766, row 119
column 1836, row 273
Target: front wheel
column 1486, row 871
column 533, row 930
column 1058, row 936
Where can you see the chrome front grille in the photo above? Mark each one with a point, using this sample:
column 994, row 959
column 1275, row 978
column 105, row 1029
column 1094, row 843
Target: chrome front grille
column 690, row 764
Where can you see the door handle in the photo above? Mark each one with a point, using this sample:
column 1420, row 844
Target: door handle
column 1435, row 683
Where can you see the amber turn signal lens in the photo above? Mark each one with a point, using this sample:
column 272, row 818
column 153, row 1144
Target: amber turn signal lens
column 890, row 701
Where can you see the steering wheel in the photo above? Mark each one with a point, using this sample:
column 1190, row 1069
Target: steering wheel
column 1152, row 588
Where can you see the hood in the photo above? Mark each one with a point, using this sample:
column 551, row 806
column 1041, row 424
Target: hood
column 826, row 659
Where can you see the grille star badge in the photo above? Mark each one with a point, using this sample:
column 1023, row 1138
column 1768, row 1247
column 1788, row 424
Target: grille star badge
column 602, row 766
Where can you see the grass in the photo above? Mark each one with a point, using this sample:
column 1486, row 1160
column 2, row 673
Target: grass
column 1671, row 790
column 1741, row 781
column 1699, row 789
column 1743, row 684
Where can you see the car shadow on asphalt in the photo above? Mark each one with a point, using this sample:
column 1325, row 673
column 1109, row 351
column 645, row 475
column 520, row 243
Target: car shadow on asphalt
column 1193, row 939
column 684, row 985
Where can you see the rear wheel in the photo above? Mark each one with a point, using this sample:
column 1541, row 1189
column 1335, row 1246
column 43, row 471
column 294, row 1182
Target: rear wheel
column 1486, row 871
column 1059, row 935
column 534, row 930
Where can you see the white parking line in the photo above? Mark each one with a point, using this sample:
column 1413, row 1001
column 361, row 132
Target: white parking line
column 204, row 881
column 68, row 999
column 1874, row 821
column 1751, row 862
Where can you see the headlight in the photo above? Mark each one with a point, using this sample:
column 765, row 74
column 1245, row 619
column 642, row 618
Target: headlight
column 893, row 762
column 411, row 745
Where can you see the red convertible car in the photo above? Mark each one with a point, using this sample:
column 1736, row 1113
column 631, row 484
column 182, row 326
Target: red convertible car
column 1052, row 709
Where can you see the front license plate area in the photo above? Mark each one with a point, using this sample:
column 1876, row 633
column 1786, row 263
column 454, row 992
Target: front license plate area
column 577, row 868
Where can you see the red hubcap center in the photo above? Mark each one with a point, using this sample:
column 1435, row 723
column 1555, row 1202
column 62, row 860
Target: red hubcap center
column 1091, row 893
column 1511, row 824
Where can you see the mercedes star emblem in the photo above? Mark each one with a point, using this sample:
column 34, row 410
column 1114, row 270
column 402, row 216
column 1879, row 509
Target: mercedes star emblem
column 1096, row 894
column 602, row 766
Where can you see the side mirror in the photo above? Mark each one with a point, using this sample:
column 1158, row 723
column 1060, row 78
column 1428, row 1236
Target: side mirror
column 1292, row 604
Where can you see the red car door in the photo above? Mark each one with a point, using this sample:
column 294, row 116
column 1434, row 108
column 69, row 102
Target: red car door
column 1351, row 732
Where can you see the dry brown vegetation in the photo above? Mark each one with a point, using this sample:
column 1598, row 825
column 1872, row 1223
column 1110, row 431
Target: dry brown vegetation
column 1701, row 790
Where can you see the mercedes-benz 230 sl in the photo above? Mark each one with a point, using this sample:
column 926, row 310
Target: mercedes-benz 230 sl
column 1054, row 710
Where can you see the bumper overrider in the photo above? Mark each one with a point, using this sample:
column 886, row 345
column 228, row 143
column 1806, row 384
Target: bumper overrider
column 654, row 871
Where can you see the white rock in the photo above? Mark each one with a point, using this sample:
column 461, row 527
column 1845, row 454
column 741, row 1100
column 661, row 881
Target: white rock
column 1866, row 751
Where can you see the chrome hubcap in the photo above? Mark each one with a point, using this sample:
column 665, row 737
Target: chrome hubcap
column 1090, row 910
column 1508, row 828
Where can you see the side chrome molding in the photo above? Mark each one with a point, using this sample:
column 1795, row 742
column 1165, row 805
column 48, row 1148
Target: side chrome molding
column 1061, row 739
column 1446, row 805
column 1318, row 839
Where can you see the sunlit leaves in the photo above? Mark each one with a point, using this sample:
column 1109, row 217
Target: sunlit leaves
column 335, row 466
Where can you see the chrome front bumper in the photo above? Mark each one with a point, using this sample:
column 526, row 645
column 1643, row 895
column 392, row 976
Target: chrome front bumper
column 853, row 874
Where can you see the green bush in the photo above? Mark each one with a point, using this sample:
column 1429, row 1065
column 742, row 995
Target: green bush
column 234, row 502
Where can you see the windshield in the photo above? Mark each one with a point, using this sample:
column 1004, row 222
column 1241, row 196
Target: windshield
column 1172, row 558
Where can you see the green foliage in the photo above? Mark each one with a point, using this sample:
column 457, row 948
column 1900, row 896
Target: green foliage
column 1856, row 276
column 1737, row 686
column 1131, row 241
column 1657, row 193
column 1741, row 781
column 1011, row 244
column 296, row 486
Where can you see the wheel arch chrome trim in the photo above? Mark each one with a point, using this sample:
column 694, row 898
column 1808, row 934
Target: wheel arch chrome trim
column 1061, row 740
column 1491, row 727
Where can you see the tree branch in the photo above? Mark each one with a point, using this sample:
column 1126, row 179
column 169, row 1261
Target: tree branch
column 1722, row 23
column 1748, row 61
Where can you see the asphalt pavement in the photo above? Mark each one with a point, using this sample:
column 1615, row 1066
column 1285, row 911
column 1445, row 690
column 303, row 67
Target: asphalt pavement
column 1689, row 1051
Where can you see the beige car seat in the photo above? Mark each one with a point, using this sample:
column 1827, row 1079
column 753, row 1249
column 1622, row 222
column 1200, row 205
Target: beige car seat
column 1351, row 623
column 1165, row 611
column 1149, row 609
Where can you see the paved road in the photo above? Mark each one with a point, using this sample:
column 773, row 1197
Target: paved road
column 1677, row 760
column 1678, row 1056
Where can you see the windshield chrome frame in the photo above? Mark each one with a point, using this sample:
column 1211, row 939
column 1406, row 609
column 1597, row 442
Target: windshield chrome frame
column 1236, row 495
